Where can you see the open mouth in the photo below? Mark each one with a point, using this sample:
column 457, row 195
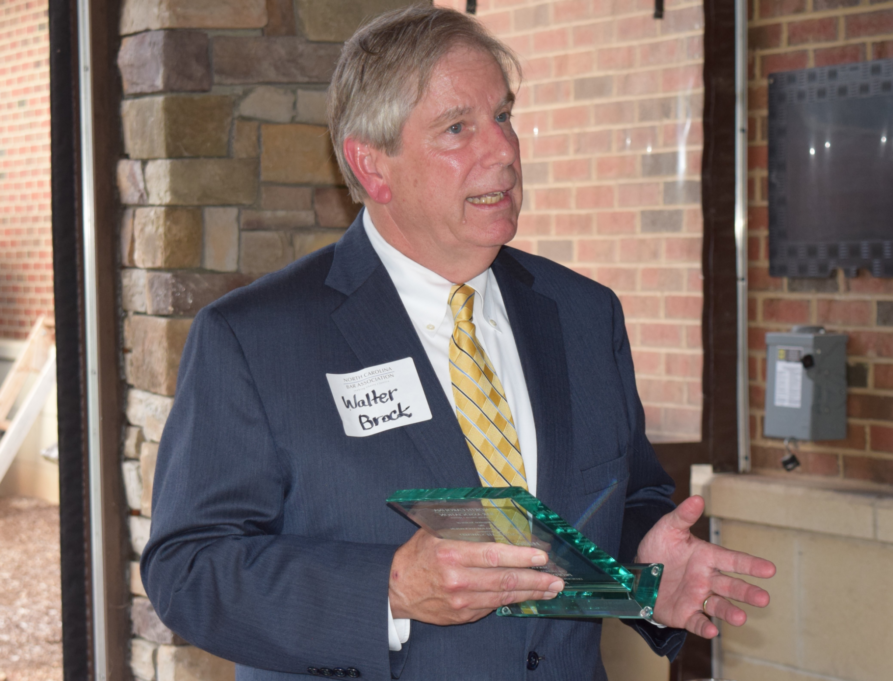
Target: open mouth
column 486, row 199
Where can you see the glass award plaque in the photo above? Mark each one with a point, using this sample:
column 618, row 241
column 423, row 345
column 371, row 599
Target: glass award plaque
column 596, row 585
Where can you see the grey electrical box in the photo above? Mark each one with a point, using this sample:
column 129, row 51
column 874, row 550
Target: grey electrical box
column 806, row 384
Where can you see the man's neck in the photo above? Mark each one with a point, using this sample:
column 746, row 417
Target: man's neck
column 457, row 266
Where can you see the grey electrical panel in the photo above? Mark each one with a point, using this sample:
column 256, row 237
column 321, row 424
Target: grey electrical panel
column 806, row 384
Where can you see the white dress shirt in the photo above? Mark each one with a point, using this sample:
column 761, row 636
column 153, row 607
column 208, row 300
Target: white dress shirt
column 425, row 296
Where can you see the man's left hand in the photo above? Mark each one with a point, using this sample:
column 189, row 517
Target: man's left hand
column 693, row 574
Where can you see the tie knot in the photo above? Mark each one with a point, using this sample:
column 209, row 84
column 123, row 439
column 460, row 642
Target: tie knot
column 462, row 302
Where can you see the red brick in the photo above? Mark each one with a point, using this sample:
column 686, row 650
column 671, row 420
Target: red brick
column 497, row 22
column 684, row 249
column 754, row 248
column 694, row 47
column 758, row 279
column 646, row 361
column 616, row 167
column 870, row 344
column 660, row 390
column 616, row 223
column 847, row 312
column 780, row 8
column 855, row 439
column 571, row 117
column 694, row 281
column 660, row 335
column 756, row 394
column 555, row 92
column 694, row 337
column 683, row 421
column 567, row 224
column 758, row 98
column 572, row 10
column 684, row 307
column 785, row 61
column 785, row 311
column 592, row 142
column 599, row 196
column 574, row 64
column 684, row 20
column 757, row 218
column 653, row 418
column 636, row 139
column 870, row 407
column 617, row 278
column 865, row 283
column 756, row 337
column 597, row 250
column 662, row 279
column 811, row 463
column 639, row 194
column 638, row 250
column 883, row 376
column 752, row 309
column 613, row 112
column 868, row 468
column 551, row 145
column 694, row 221
column 882, row 50
column 812, row 31
column 638, row 83
column 615, row 58
column 530, row 224
column 660, row 53
column 758, row 157
column 552, row 199
column 596, row 34
column 573, row 169
column 682, row 78
column 881, row 439
column 684, row 365
column 869, row 23
column 764, row 37
column 640, row 307
column 845, row 54
column 538, row 69
column 635, row 28
column 551, row 40
column 528, row 121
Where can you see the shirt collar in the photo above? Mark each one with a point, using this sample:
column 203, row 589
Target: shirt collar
column 424, row 293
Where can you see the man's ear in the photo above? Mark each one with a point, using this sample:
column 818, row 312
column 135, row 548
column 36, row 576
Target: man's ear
column 366, row 163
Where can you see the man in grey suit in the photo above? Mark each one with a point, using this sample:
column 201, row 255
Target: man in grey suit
column 271, row 544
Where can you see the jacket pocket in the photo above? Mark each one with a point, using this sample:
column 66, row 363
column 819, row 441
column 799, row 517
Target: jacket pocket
column 604, row 475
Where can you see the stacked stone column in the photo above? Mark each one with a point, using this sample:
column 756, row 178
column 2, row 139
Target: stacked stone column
column 229, row 174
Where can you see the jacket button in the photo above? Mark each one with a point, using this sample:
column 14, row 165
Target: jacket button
column 340, row 673
column 353, row 672
column 325, row 671
column 312, row 670
column 533, row 660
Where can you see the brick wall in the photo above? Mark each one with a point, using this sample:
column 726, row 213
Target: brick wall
column 609, row 117
column 228, row 175
column 795, row 34
column 26, row 258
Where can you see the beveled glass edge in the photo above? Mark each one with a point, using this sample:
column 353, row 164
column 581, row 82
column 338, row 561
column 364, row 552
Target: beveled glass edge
column 601, row 559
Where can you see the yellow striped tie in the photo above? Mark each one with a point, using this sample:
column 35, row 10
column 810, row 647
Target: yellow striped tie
column 481, row 406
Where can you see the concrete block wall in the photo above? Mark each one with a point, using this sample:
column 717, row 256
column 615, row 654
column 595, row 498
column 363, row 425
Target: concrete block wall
column 26, row 243
column 228, row 175
column 794, row 34
column 609, row 117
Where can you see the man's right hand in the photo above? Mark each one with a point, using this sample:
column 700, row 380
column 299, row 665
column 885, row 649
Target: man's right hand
column 440, row 581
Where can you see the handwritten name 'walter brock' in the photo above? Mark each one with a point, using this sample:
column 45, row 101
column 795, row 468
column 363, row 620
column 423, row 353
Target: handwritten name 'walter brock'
column 373, row 398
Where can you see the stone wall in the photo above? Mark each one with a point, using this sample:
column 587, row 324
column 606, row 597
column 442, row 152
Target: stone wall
column 26, row 242
column 609, row 117
column 796, row 34
column 228, row 175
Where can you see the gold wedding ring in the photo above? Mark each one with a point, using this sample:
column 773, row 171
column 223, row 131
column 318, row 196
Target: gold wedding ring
column 704, row 604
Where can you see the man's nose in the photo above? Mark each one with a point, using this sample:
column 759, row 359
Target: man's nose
column 499, row 145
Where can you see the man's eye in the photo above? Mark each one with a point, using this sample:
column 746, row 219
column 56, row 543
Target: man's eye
column 504, row 117
column 455, row 128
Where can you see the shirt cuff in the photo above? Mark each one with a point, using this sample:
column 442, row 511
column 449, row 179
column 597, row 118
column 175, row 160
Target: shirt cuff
column 398, row 631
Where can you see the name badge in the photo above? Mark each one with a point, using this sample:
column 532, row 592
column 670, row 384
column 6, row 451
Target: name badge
column 379, row 398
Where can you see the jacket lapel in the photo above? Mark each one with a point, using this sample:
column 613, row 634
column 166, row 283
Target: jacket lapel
column 537, row 330
column 375, row 325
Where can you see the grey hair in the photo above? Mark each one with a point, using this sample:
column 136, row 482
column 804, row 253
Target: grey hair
column 384, row 70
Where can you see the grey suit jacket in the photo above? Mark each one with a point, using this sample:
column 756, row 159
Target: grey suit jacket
column 271, row 543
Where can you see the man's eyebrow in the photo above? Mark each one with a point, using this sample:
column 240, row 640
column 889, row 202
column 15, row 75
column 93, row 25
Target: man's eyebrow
column 459, row 111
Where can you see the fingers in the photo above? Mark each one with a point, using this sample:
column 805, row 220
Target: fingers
column 739, row 590
column 717, row 606
column 741, row 563
column 685, row 514
column 491, row 555
column 701, row 625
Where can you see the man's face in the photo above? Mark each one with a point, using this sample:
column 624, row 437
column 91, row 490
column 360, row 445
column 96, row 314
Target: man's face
column 456, row 184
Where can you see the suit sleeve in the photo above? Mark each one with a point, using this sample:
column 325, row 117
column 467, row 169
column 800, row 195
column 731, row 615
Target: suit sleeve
column 649, row 490
column 218, row 567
